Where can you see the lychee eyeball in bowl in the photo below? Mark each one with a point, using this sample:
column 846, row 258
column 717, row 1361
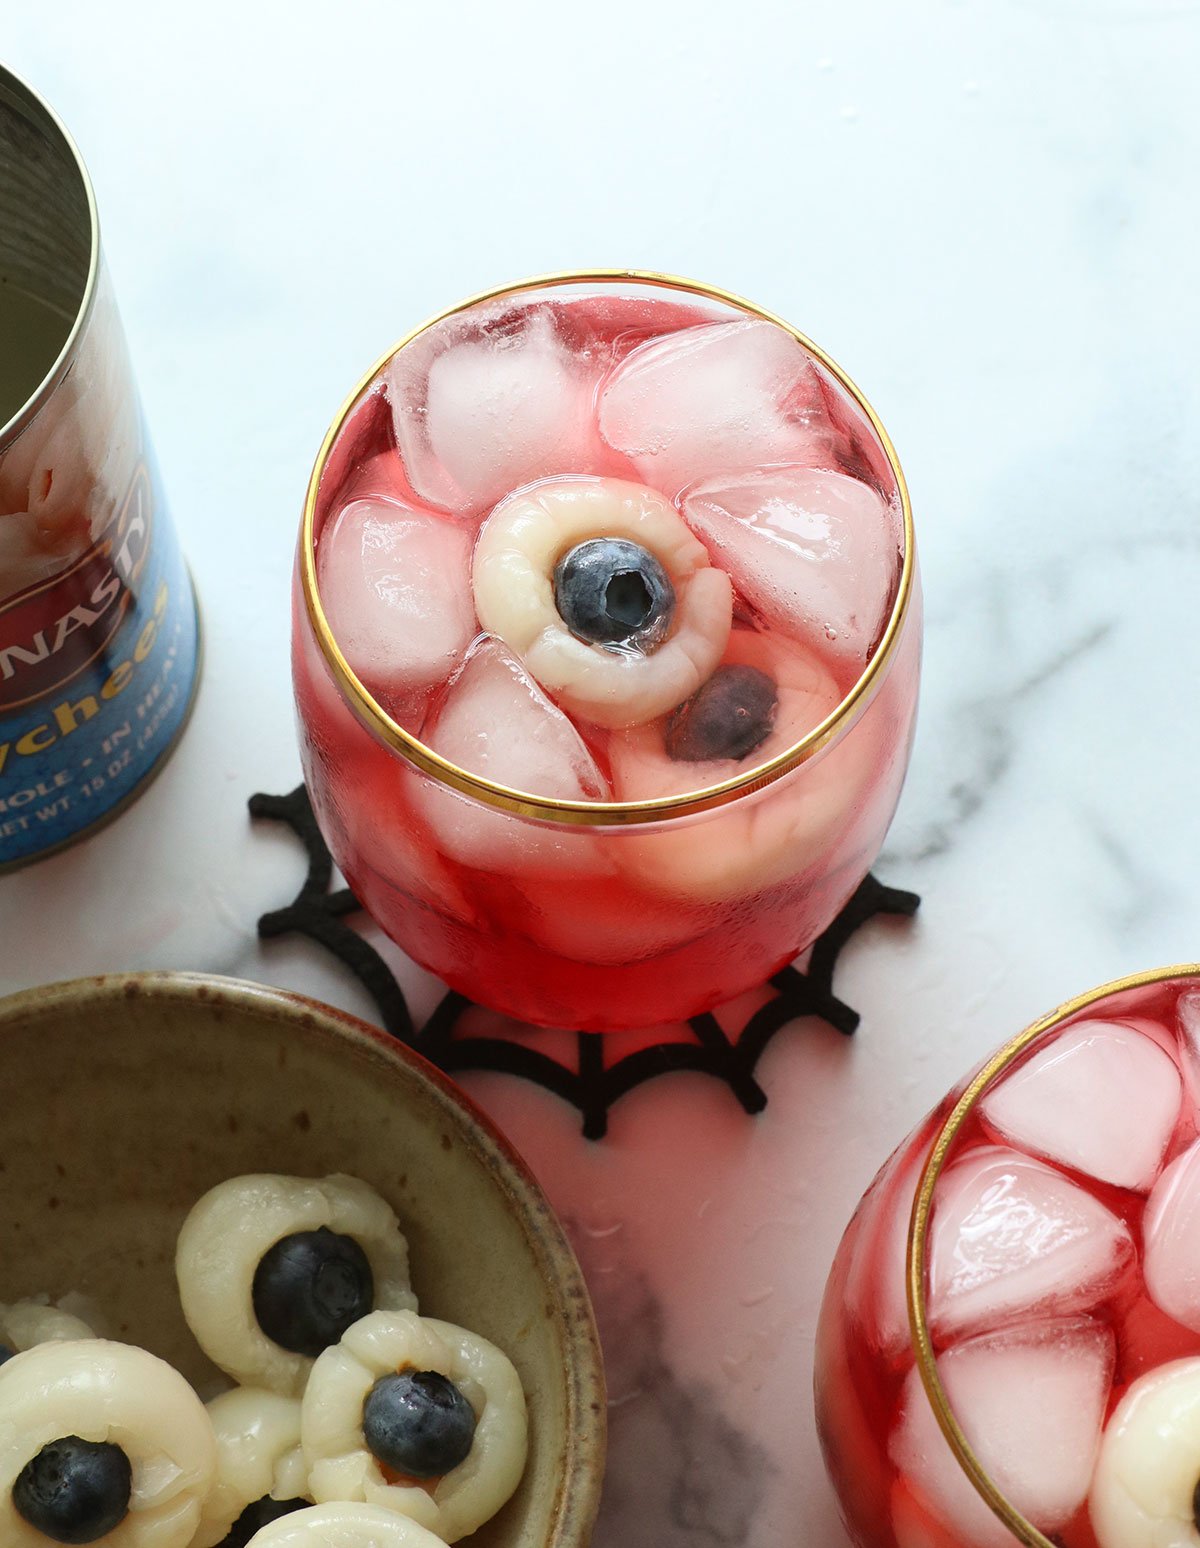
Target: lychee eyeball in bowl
column 128, row 1098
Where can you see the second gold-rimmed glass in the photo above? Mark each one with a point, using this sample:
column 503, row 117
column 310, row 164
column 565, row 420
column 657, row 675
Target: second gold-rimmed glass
column 581, row 910
column 1009, row 1345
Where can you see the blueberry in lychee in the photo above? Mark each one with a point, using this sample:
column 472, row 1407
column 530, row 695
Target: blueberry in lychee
column 258, row 1514
column 418, row 1423
column 310, row 1287
column 611, row 591
column 731, row 715
column 74, row 1490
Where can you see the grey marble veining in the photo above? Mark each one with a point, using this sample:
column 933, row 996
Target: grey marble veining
column 679, row 1472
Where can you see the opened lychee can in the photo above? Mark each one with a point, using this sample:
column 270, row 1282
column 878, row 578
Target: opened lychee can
column 98, row 629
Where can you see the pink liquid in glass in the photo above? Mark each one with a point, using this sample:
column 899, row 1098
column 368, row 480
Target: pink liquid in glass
column 492, row 448
column 1062, row 1287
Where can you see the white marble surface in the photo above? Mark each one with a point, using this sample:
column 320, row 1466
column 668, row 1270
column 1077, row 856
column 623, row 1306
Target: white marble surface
column 987, row 214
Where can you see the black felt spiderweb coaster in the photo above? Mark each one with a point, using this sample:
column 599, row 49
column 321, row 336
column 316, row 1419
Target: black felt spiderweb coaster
column 595, row 1084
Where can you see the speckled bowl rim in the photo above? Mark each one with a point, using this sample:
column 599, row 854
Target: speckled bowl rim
column 577, row 1500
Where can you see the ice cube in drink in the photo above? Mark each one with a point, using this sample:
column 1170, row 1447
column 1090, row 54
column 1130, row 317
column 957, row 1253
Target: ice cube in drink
column 1059, row 1292
column 1031, row 1401
column 590, row 553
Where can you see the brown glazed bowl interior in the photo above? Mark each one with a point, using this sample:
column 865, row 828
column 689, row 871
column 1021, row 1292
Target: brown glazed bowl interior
column 122, row 1099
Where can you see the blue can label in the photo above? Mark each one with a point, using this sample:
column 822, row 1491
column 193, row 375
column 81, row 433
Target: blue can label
column 97, row 671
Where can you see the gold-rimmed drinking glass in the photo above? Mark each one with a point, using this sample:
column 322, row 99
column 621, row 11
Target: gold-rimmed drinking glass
column 630, row 921
column 881, row 1347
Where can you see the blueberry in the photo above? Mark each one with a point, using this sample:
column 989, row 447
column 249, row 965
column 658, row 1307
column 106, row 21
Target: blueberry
column 728, row 718
column 258, row 1514
column 310, row 1287
column 74, row 1491
column 418, row 1423
column 609, row 591
column 6, row 1353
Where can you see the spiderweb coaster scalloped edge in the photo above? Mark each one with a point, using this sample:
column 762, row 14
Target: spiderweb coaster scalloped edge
column 595, row 1085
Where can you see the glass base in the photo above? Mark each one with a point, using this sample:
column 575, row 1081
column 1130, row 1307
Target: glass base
column 589, row 1076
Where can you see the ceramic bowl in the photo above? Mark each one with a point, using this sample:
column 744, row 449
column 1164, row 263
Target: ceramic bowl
column 124, row 1098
